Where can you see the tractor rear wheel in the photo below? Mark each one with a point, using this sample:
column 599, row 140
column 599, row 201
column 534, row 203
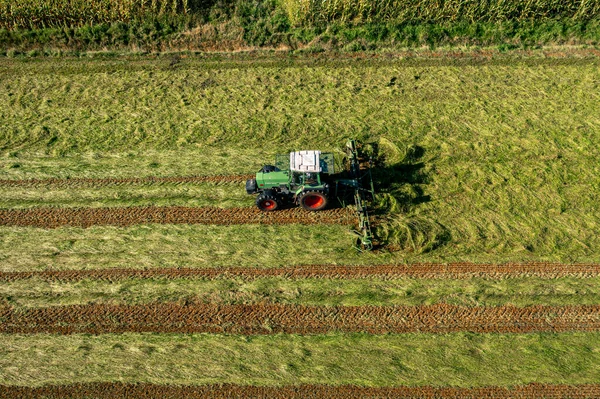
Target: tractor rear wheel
column 267, row 202
column 313, row 200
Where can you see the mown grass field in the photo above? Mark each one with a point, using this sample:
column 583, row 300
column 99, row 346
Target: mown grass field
column 403, row 359
column 488, row 161
column 485, row 162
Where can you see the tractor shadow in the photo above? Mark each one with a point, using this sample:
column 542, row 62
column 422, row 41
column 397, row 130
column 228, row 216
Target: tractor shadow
column 400, row 184
column 403, row 181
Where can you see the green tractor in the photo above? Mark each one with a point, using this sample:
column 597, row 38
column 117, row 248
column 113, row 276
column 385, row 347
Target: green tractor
column 309, row 179
column 301, row 179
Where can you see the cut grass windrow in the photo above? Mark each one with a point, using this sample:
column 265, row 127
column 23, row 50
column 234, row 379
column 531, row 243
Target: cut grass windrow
column 104, row 182
column 150, row 391
column 127, row 216
column 383, row 272
column 193, row 195
column 262, row 319
column 525, row 291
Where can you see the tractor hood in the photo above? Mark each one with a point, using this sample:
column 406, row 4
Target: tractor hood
column 266, row 180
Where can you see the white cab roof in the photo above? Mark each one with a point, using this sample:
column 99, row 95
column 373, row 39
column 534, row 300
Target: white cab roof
column 305, row 161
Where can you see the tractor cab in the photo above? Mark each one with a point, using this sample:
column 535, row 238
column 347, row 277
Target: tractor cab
column 306, row 168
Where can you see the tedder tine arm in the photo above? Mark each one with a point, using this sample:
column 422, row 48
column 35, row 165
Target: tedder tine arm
column 362, row 183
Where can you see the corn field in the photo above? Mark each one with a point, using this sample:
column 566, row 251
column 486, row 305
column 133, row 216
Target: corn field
column 35, row 14
column 306, row 12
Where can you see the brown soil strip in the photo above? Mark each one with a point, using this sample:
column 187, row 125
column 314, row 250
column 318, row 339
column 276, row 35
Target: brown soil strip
column 383, row 272
column 117, row 390
column 261, row 319
column 93, row 183
column 127, row 216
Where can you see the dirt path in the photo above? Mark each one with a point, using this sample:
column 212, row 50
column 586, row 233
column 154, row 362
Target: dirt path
column 150, row 391
column 384, row 272
column 94, row 183
column 296, row 319
column 127, row 216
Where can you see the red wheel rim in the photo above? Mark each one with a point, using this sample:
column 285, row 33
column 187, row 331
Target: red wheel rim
column 313, row 201
column 268, row 204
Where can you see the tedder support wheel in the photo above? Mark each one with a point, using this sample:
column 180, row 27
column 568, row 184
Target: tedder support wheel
column 313, row 201
column 267, row 202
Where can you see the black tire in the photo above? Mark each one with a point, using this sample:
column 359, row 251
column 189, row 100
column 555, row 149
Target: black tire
column 267, row 202
column 251, row 186
column 269, row 169
column 313, row 201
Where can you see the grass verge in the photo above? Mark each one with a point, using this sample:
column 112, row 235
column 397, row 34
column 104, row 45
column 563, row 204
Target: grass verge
column 262, row 24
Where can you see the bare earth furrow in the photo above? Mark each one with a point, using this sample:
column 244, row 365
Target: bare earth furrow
column 150, row 391
column 383, row 272
column 105, row 182
column 128, row 216
column 261, row 319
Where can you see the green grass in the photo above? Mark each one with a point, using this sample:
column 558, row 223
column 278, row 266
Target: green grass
column 63, row 108
column 465, row 360
column 480, row 161
column 192, row 161
column 182, row 33
column 152, row 246
column 483, row 161
column 472, row 292
column 219, row 195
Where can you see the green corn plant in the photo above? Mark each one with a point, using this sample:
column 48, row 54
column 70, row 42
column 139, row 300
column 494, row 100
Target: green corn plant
column 32, row 14
column 306, row 12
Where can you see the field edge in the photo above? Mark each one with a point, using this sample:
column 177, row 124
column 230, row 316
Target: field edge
column 146, row 390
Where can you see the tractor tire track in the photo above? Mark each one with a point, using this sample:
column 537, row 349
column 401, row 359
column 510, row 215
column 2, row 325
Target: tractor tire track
column 264, row 319
column 382, row 272
column 128, row 216
column 116, row 390
column 106, row 182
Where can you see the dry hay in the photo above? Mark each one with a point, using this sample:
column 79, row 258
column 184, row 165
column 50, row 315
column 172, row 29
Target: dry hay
column 128, row 216
column 105, row 182
column 117, row 390
column 254, row 319
column 383, row 272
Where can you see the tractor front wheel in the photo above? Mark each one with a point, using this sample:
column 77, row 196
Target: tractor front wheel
column 267, row 202
column 313, row 200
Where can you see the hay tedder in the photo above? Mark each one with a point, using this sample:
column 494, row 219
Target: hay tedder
column 310, row 179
